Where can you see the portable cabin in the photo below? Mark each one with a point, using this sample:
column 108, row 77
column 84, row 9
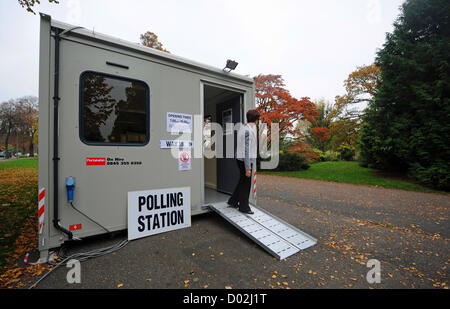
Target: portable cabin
column 105, row 111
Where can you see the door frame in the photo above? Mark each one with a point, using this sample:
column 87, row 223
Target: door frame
column 243, row 102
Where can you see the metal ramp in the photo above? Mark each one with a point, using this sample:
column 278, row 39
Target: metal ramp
column 273, row 234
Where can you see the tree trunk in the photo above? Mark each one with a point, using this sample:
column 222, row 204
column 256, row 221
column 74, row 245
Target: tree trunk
column 31, row 149
column 6, row 143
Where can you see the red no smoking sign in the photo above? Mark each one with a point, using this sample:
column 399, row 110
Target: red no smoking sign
column 185, row 156
column 184, row 161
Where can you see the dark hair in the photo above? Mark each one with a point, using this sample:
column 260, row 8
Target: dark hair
column 252, row 115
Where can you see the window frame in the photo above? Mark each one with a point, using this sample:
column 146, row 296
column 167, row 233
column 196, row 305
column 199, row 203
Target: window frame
column 81, row 111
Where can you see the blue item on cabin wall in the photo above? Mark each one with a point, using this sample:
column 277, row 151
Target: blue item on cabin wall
column 70, row 186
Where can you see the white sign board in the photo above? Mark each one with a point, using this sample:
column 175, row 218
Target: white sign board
column 184, row 161
column 157, row 211
column 179, row 123
column 174, row 143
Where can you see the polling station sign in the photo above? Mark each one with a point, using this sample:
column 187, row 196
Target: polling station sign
column 157, row 211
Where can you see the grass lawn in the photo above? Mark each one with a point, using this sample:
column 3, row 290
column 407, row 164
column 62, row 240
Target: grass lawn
column 18, row 201
column 351, row 172
column 19, row 163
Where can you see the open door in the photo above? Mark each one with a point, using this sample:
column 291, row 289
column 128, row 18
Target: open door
column 227, row 170
column 221, row 174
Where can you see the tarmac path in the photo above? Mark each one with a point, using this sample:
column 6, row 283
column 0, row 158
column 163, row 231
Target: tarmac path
column 407, row 232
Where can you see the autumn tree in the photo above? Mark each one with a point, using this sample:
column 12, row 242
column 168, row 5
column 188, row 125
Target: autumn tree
column 27, row 114
column 150, row 39
column 19, row 117
column 277, row 105
column 29, row 4
column 344, row 132
column 319, row 132
column 346, row 116
column 8, row 121
column 360, row 87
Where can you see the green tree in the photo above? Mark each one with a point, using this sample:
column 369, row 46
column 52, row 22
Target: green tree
column 407, row 126
column 344, row 131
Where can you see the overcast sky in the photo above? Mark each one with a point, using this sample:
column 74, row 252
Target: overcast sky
column 314, row 45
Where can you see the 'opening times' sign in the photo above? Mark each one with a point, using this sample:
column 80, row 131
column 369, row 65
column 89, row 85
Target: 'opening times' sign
column 157, row 211
column 179, row 123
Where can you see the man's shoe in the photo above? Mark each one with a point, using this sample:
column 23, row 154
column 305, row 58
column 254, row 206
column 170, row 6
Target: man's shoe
column 249, row 212
column 232, row 205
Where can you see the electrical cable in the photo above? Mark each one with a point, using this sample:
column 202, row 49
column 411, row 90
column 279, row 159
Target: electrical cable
column 71, row 203
column 83, row 256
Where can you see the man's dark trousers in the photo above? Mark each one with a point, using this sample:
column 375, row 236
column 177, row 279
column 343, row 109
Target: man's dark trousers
column 242, row 190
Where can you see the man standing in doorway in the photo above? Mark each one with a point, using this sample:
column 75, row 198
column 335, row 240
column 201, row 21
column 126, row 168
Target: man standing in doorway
column 245, row 158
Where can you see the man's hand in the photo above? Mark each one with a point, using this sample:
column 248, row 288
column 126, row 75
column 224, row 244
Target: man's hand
column 248, row 173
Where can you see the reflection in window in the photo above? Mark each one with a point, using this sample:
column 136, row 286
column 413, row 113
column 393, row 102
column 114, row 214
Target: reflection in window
column 113, row 110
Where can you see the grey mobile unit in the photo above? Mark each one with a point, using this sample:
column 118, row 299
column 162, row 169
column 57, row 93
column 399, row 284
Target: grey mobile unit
column 103, row 110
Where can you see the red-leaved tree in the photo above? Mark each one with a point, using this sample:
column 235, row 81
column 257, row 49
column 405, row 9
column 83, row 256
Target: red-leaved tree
column 277, row 105
column 321, row 134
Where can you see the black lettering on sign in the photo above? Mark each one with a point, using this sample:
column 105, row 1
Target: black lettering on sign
column 141, row 227
column 150, row 202
column 156, row 202
column 163, row 214
column 180, row 199
column 173, row 217
column 162, row 201
column 173, row 199
column 164, row 219
column 141, row 202
column 149, row 217
column 156, row 222
column 180, row 216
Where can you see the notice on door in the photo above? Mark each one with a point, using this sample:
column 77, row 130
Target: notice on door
column 158, row 211
column 179, row 123
column 184, row 161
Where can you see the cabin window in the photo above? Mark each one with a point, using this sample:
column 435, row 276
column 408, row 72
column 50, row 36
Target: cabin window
column 113, row 110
